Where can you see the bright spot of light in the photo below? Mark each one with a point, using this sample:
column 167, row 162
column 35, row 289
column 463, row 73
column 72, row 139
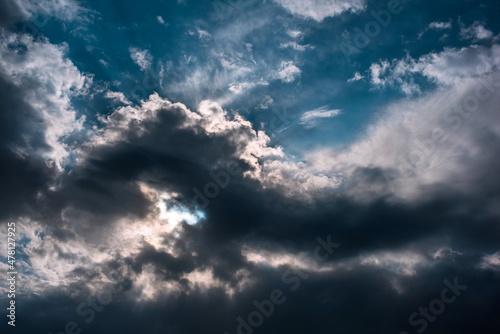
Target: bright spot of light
column 175, row 213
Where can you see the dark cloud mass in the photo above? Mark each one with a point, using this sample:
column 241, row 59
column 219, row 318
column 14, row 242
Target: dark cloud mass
column 152, row 216
column 22, row 176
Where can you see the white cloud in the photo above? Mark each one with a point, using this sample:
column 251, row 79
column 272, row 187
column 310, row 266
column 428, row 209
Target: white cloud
column 417, row 144
column 295, row 33
column 476, row 32
column 454, row 64
column 310, row 118
column 276, row 259
column 377, row 70
column 357, row 76
column 65, row 10
column 142, row 58
column 445, row 253
column 287, row 72
column 266, row 102
column 294, row 45
column 400, row 263
column 298, row 179
column 440, row 25
column 234, row 64
column 226, row 60
column 491, row 262
column 445, row 68
column 240, row 87
column 202, row 34
column 161, row 21
column 320, row 9
column 53, row 80
column 117, row 96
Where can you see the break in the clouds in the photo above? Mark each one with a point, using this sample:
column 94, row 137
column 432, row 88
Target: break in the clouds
column 220, row 167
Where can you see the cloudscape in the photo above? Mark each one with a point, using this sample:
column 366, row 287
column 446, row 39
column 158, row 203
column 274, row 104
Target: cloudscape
column 250, row 166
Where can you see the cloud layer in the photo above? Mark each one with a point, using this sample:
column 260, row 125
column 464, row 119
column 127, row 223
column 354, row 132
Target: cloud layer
column 189, row 207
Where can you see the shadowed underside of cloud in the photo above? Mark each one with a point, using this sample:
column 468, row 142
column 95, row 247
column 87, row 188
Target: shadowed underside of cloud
column 137, row 173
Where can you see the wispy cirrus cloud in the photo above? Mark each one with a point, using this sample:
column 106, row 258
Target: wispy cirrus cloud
column 311, row 118
column 318, row 10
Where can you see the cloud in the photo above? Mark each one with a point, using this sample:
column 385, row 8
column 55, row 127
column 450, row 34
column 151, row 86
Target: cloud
column 288, row 72
column 357, row 76
column 240, row 87
column 310, row 118
column 491, row 262
column 420, row 144
column 117, row 96
column 49, row 81
column 64, row 10
column 161, row 21
column 476, row 32
column 377, row 70
column 437, row 25
column 440, row 25
column 412, row 200
column 202, row 34
column 401, row 263
column 142, row 58
column 133, row 208
column 266, row 102
column 295, row 33
column 265, row 164
column 443, row 68
column 294, row 45
column 318, row 10
column 10, row 13
column 131, row 198
column 226, row 59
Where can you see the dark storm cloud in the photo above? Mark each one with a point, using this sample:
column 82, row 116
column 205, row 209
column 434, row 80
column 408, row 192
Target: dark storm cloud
column 245, row 214
column 168, row 156
column 10, row 13
column 352, row 301
column 22, row 176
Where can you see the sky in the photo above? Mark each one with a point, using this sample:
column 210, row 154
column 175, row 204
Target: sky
column 250, row 166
